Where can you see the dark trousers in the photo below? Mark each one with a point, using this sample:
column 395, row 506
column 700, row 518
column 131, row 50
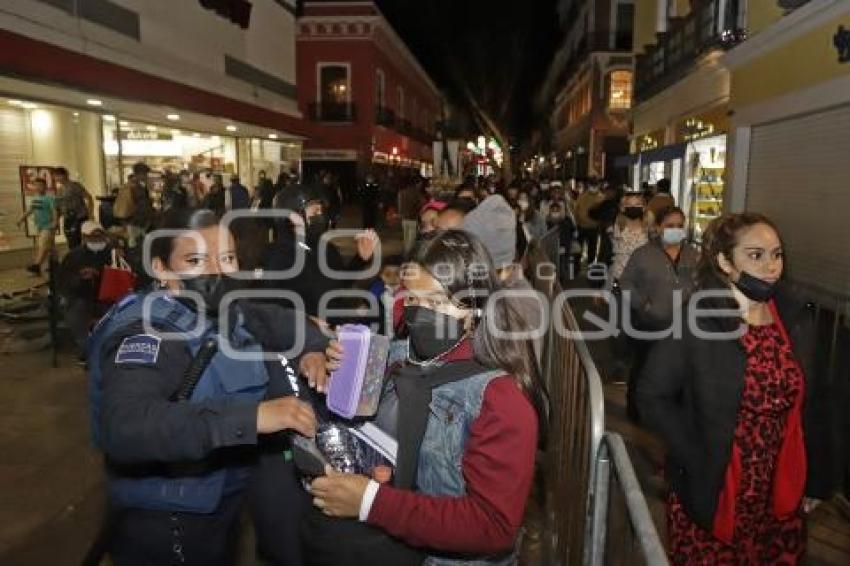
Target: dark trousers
column 589, row 238
column 156, row 538
column 278, row 504
column 79, row 313
column 640, row 352
column 72, row 229
column 348, row 542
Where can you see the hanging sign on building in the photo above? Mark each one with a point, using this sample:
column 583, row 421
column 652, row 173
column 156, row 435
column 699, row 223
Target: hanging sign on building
column 145, row 135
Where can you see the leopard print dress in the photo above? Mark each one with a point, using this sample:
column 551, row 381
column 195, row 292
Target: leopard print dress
column 772, row 382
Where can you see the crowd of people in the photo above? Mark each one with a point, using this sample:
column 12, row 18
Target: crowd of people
column 466, row 404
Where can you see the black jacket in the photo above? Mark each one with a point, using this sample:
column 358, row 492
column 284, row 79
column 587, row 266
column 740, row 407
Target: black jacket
column 142, row 426
column 689, row 394
column 74, row 286
column 310, row 283
column 148, row 429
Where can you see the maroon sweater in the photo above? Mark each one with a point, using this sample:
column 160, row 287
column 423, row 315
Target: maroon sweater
column 498, row 467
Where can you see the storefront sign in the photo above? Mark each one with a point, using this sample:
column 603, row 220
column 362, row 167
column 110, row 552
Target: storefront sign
column 647, row 143
column 329, row 155
column 28, row 175
column 694, row 129
column 145, row 135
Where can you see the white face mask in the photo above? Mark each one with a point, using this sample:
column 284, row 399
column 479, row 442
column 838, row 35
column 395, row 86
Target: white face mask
column 96, row 246
column 673, row 236
column 523, row 205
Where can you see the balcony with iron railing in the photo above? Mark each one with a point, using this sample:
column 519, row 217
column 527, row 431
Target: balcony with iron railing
column 703, row 30
column 333, row 112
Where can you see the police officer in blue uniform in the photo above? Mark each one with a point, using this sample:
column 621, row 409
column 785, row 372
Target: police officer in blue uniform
column 191, row 431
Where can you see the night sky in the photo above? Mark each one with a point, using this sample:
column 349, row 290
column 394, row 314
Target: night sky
column 497, row 51
column 500, row 49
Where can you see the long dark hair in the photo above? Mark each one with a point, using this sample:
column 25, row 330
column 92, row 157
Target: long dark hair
column 462, row 265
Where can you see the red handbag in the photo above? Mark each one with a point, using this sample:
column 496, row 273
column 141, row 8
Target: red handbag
column 116, row 281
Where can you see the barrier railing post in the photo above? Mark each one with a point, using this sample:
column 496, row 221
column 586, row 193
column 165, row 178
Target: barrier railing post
column 597, row 528
column 582, row 459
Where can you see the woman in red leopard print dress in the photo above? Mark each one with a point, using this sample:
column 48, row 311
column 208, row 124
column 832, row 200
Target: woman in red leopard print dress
column 772, row 382
column 731, row 402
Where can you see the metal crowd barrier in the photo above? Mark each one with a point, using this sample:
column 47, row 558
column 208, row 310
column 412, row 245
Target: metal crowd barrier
column 550, row 244
column 621, row 529
column 582, row 496
column 832, row 372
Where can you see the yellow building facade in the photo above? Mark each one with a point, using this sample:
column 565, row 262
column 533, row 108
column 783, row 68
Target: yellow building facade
column 682, row 94
column 789, row 149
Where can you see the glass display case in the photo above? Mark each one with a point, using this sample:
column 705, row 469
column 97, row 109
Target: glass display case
column 704, row 185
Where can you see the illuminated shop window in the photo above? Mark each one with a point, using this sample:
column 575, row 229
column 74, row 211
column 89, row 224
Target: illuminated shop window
column 621, row 90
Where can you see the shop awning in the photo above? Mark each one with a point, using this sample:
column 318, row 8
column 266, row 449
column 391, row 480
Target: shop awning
column 666, row 153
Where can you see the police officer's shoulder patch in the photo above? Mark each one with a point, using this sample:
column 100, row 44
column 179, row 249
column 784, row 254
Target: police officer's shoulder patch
column 138, row 349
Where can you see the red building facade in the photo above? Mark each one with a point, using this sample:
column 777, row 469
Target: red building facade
column 372, row 106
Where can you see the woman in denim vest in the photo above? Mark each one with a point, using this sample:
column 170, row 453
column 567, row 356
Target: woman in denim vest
column 471, row 402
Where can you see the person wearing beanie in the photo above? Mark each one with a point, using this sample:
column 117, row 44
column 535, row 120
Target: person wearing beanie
column 495, row 224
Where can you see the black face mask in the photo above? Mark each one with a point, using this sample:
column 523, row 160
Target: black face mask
column 431, row 333
column 633, row 212
column 755, row 289
column 212, row 288
column 316, row 226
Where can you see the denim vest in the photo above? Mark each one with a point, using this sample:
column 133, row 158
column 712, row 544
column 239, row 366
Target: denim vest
column 454, row 407
column 223, row 377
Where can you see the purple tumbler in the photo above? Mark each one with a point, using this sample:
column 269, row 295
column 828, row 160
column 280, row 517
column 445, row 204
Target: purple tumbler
column 355, row 388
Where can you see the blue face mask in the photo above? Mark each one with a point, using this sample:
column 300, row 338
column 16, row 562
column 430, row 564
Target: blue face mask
column 673, row 236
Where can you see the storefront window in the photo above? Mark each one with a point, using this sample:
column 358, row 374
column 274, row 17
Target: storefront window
column 41, row 137
column 621, row 90
column 706, row 165
column 271, row 157
column 162, row 149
